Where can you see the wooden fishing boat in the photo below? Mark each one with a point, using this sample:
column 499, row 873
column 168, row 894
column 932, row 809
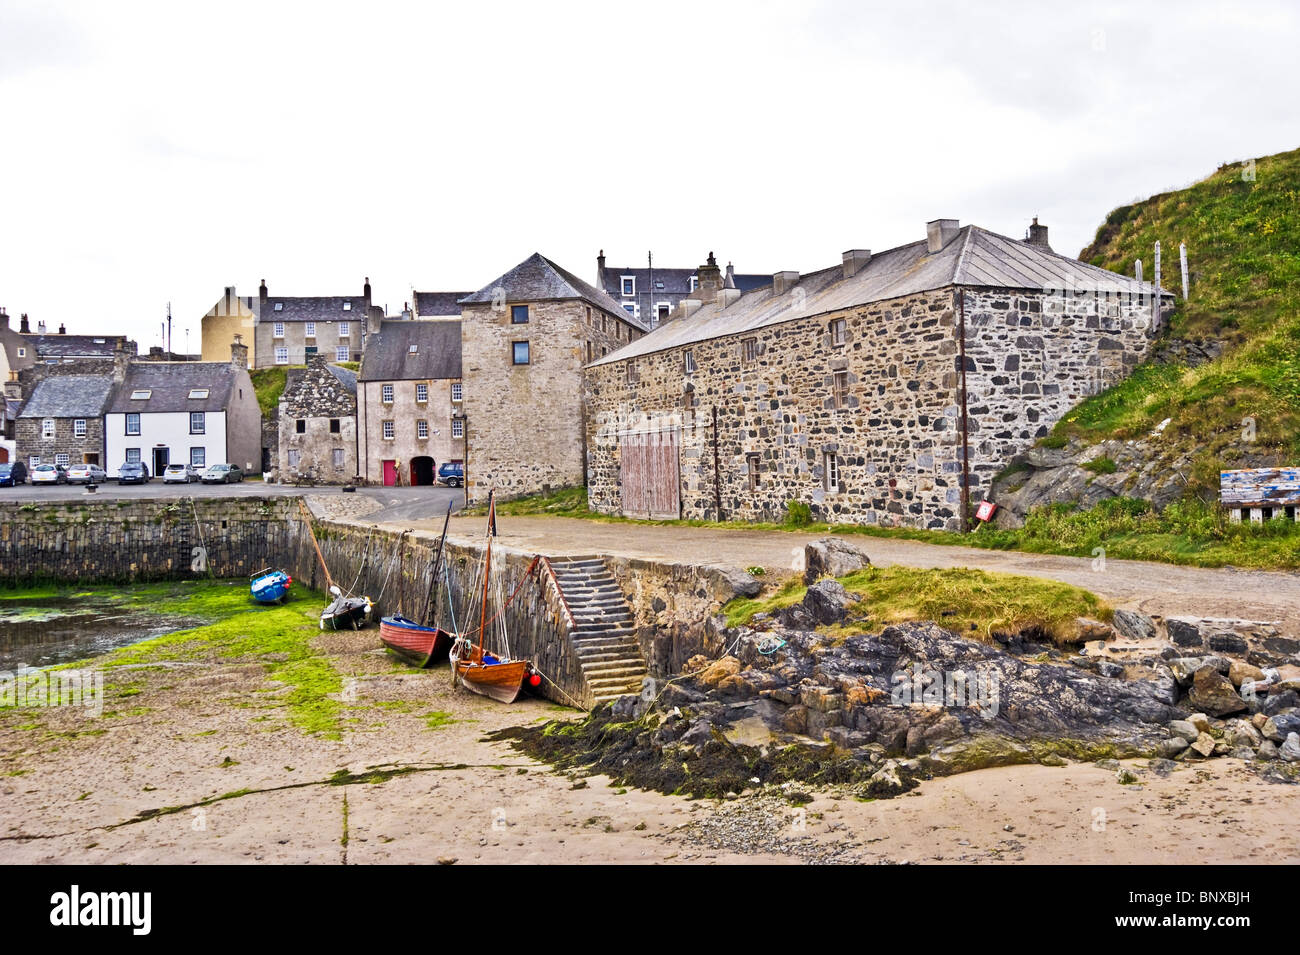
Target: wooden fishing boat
column 421, row 646
column 270, row 586
column 492, row 675
column 343, row 612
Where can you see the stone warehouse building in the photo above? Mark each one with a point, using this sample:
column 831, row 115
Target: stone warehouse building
column 318, row 423
column 866, row 390
column 408, row 402
column 525, row 338
column 62, row 422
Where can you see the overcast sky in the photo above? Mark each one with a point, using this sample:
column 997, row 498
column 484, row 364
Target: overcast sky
column 159, row 152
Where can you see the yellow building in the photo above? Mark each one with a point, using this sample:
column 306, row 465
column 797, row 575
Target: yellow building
column 231, row 316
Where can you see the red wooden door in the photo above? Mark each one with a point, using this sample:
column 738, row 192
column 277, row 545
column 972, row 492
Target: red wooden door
column 651, row 475
column 390, row 473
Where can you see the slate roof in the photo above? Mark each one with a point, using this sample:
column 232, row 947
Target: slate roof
column 388, row 355
column 537, row 278
column 74, row 346
column 171, row 383
column 346, row 377
column 438, row 304
column 69, row 396
column 311, row 308
column 974, row 258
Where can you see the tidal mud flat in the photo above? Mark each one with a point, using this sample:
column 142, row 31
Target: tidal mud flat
column 255, row 737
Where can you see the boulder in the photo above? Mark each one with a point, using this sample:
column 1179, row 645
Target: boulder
column 1090, row 629
column 1281, row 725
column 1134, row 625
column 832, row 557
column 742, row 584
column 1240, row 671
column 827, row 601
column 1267, row 750
column 1226, row 641
column 1277, row 702
column 1241, row 733
column 1185, row 632
column 1184, row 730
column 1200, row 721
column 719, row 670
column 1290, row 750
column 1171, row 747
column 1212, row 692
column 1203, row 746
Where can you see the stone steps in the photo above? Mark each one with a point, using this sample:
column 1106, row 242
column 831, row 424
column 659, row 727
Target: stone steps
column 604, row 637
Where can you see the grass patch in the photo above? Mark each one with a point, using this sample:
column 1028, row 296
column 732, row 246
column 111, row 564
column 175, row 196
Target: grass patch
column 268, row 384
column 974, row 603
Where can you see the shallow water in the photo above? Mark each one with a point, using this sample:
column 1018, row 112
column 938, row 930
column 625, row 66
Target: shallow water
column 45, row 631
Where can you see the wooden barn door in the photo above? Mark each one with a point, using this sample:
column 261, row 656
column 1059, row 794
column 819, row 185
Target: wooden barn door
column 651, row 475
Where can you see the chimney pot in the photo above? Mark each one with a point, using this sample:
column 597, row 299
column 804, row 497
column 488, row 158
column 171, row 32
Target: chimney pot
column 939, row 232
column 23, row 326
column 783, row 281
column 855, row 260
column 62, row 329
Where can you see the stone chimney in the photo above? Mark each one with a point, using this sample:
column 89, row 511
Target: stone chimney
column 24, row 327
column 783, row 282
column 239, row 353
column 730, row 280
column 709, row 278
column 4, row 316
column 122, row 355
column 855, row 260
column 261, row 297
column 600, row 270
column 1037, row 235
column 63, row 330
column 365, row 291
column 939, row 232
column 40, row 327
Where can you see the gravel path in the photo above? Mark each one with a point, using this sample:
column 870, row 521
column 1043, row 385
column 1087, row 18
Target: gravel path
column 1153, row 588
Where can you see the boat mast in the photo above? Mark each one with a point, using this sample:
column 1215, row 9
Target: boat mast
column 487, row 573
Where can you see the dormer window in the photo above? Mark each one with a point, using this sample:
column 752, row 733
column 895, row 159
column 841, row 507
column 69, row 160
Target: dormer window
column 413, row 349
column 141, row 394
column 695, row 283
column 347, row 306
column 198, row 392
column 279, row 306
column 629, row 285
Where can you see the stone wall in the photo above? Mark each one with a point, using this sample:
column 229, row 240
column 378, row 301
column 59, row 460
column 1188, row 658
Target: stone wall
column 30, row 440
column 328, row 412
column 896, row 431
column 405, row 411
column 141, row 540
column 524, row 423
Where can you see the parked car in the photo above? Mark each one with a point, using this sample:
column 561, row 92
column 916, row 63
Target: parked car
column 222, row 474
column 180, row 474
column 87, row 474
column 133, row 472
column 12, row 473
column 451, row 474
column 49, row 474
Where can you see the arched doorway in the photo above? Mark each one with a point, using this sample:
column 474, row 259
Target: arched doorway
column 422, row 470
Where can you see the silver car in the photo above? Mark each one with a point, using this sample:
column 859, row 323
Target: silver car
column 180, row 474
column 87, row 474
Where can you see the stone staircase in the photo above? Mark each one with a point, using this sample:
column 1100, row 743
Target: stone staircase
column 605, row 638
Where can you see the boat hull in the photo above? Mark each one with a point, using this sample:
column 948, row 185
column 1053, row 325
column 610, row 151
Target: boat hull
column 346, row 612
column 502, row 682
column 420, row 646
column 270, row 588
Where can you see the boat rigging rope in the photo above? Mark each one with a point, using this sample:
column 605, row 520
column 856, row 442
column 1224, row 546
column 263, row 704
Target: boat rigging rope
column 391, row 561
column 365, row 556
column 198, row 526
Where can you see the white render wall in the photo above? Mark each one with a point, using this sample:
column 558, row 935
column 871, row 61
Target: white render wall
column 170, row 430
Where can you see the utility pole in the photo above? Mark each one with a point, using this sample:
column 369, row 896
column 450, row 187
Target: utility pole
column 169, row 331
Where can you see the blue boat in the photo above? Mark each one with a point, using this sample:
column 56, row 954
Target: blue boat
column 270, row 586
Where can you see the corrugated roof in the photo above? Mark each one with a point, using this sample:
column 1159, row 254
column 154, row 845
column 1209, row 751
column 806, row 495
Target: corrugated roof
column 69, row 396
column 170, row 383
column 438, row 304
column 388, row 356
column 974, row 258
column 537, row 278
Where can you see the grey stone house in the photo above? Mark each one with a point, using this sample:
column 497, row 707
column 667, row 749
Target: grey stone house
column 650, row 292
column 525, row 337
column 889, row 389
column 289, row 330
column 409, row 395
column 318, row 423
column 62, row 422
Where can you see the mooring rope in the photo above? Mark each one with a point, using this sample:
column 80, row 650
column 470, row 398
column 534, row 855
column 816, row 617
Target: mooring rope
column 198, row 526
column 329, row 581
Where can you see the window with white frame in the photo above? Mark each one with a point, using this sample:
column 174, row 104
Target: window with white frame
column 338, row 459
column 62, row 459
column 345, row 329
column 133, row 422
column 629, row 285
column 199, row 392
column 132, row 455
column 457, row 392
column 33, row 461
column 22, row 353
column 47, row 428
column 79, row 428
column 279, row 306
column 311, row 329
column 457, row 428
column 412, row 349
column 831, row 471
column 347, row 306
column 695, row 283
column 278, row 330
column 281, row 355
column 141, row 394
column 341, row 353
column 839, row 331
column 390, row 431
column 688, row 361
column 421, row 391
column 198, row 422
column 422, row 429
column 199, row 457
column 386, row 394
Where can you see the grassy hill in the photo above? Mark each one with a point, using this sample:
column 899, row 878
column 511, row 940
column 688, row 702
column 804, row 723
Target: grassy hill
column 1242, row 229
